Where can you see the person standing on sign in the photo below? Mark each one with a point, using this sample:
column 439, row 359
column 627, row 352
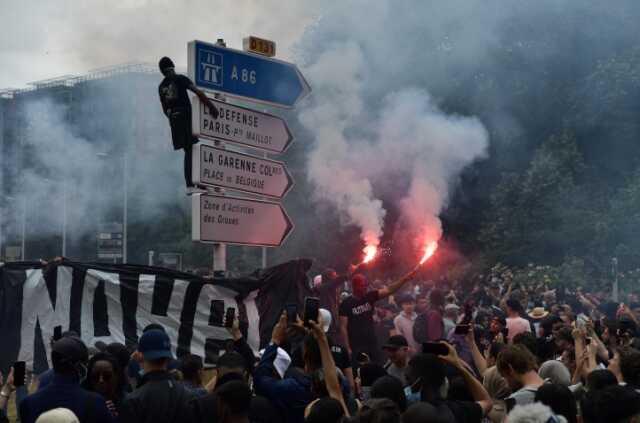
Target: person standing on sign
column 177, row 107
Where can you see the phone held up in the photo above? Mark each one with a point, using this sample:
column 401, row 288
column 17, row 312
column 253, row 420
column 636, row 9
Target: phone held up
column 19, row 371
column 435, row 348
column 311, row 310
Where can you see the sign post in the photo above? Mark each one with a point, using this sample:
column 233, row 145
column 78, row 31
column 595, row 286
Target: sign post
column 240, row 221
column 241, row 126
column 217, row 167
column 244, row 75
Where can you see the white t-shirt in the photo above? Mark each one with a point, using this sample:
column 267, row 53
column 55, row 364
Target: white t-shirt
column 516, row 326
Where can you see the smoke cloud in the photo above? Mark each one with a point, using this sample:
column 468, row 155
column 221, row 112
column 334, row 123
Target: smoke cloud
column 375, row 146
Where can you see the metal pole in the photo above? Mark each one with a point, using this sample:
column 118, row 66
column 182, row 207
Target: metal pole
column 64, row 217
column 24, row 225
column 150, row 261
column 24, row 200
column 219, row 250
column 124, row 210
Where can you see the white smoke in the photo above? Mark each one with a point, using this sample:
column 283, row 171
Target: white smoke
column 374, row 146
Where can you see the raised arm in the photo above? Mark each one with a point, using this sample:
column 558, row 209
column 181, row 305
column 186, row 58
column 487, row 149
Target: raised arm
column 213, row 110
column 478, row 358
column 328, row 366
column 479, row 394
column 394, row 286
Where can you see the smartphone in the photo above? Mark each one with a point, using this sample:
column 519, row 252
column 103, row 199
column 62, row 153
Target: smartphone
column 462, row 329
column 434, row 348
column 311, row 309
column 229, row 317
column 292, row 313
column 57, row 333
column 19, row 370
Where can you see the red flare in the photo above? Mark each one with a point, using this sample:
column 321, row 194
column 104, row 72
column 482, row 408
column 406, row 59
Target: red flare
column 429, row 249
column 370, row 252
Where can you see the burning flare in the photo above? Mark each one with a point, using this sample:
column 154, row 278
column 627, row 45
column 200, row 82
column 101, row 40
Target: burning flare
column 429, row 249
column 370, row 252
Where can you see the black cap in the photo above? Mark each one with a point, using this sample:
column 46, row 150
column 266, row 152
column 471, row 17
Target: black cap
column 70, row 349
column 395, row 342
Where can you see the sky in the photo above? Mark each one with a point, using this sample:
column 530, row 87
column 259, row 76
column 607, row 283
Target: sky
column 44, row 39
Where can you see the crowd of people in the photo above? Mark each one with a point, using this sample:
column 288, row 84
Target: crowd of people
column 395, row 352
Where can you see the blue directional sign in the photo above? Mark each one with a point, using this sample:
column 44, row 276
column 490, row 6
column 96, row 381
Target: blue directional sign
column 245, row 75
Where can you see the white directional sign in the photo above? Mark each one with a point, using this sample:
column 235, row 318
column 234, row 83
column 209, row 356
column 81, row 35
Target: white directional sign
column 228, row 169
column 241, row 126
column 220, row 219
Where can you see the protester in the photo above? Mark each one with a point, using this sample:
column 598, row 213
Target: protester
column 450, row 318
column 517, row 365
column 391, row 388
column 327, row 289
column 428, row 371
column 397, row 350
column 403, row 322
column 192, row 370
column 157, row 398
column 69, row 356
column 560, row 399
column 356, row 315
column 516, row 324
column 105, row 378
column 429, row 327
column 177, row 107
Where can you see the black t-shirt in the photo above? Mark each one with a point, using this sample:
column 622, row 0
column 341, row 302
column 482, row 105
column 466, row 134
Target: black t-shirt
column 173, row 93
column 340, row 356
column 359, row 312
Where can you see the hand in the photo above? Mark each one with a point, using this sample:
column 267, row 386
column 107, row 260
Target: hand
column 234, row 330
column 500, row 338
column 8, row 387
column 452, row 357
column 578, row 333
column 213, row 110
column 470, row 337
column 279, row 334
column 112, row 408
column 317, row 332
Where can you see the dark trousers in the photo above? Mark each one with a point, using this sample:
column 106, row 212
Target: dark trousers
column 188, row 158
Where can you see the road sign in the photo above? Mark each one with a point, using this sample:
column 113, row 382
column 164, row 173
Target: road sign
column 259, row 46
column 245, row 75
column 240, row 125
column 220, row 219
column 228, row 169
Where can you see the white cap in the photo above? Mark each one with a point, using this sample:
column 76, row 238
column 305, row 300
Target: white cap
column 58, row 415
column 325, row 316
column 281, row 362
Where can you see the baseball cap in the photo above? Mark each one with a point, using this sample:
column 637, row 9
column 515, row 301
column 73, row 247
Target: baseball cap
column 395, row 342
column 70, row 349
column 155, row 344
column 325, row 315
